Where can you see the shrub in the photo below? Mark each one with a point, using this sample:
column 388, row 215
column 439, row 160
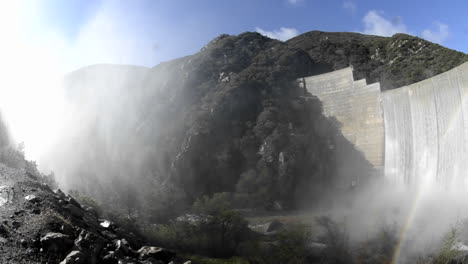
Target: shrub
column 380, row 248
column 336, row 238
column 218, row 203
column 289, row 246
column 448, row 251
column 214, row 231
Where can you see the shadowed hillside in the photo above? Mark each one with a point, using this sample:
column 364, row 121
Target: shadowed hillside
column 230, row 118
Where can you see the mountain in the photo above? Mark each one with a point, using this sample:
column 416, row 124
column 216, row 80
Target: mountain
column 230, row 118
column 393, row 61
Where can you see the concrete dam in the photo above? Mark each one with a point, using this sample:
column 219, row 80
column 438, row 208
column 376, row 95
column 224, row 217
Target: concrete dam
column 415, row 134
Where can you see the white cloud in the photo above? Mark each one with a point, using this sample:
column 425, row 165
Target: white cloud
column 350, row 6
column 284, row 33
column 376, row 24
column 439, row 35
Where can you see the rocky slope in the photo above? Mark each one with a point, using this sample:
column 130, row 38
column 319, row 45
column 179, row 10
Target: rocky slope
column 38, row 225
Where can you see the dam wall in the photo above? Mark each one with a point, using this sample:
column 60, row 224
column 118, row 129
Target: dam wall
column 356, row 106
column 417, row 133
column 426, row 130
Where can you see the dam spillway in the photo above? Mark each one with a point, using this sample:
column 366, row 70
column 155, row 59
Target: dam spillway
column 416, row 133
column 425, row 134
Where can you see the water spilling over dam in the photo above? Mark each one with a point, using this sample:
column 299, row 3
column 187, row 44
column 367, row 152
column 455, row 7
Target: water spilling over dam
column 417, row 133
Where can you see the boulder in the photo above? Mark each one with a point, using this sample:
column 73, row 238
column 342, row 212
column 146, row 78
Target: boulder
column 72, row 200
column 32, row 198
column 15, row 224
column 109, row 235
column 84, row 240
column 274, row 225
column 157, row 253
column 74, row 210
column 75, row 257
column 122, row 246
column 3, row 231
column 107, row 224
column 59, row 194
column 91, row 243
column 269, row 228
column 55, row 242
column 109, row 258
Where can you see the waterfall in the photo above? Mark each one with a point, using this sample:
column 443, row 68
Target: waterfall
column 425, row 135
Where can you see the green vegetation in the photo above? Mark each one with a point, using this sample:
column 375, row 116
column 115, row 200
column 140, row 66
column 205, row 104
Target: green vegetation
column 336, row 238
column 215, row 230
column 379, row 249
column 448, row 252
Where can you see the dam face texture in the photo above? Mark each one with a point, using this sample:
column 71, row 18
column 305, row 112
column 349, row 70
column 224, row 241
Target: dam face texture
column 416, row 134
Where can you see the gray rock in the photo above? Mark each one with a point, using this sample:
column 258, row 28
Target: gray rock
column 91, row 212
column 3, row 231
column 55, row 242
column 122, row 246
column 269, row 228
column 107, row 224
column 72, row 200
column 274, row 225
column 109, row 235
column 16, row 224
column 109, row 258
column 74, row 211
column 59, row 193
column 90, row 243
column 157, row 253
column 75, row 257
column 32, row 198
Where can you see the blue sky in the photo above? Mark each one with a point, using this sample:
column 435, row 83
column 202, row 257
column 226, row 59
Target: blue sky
column 163, row 30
